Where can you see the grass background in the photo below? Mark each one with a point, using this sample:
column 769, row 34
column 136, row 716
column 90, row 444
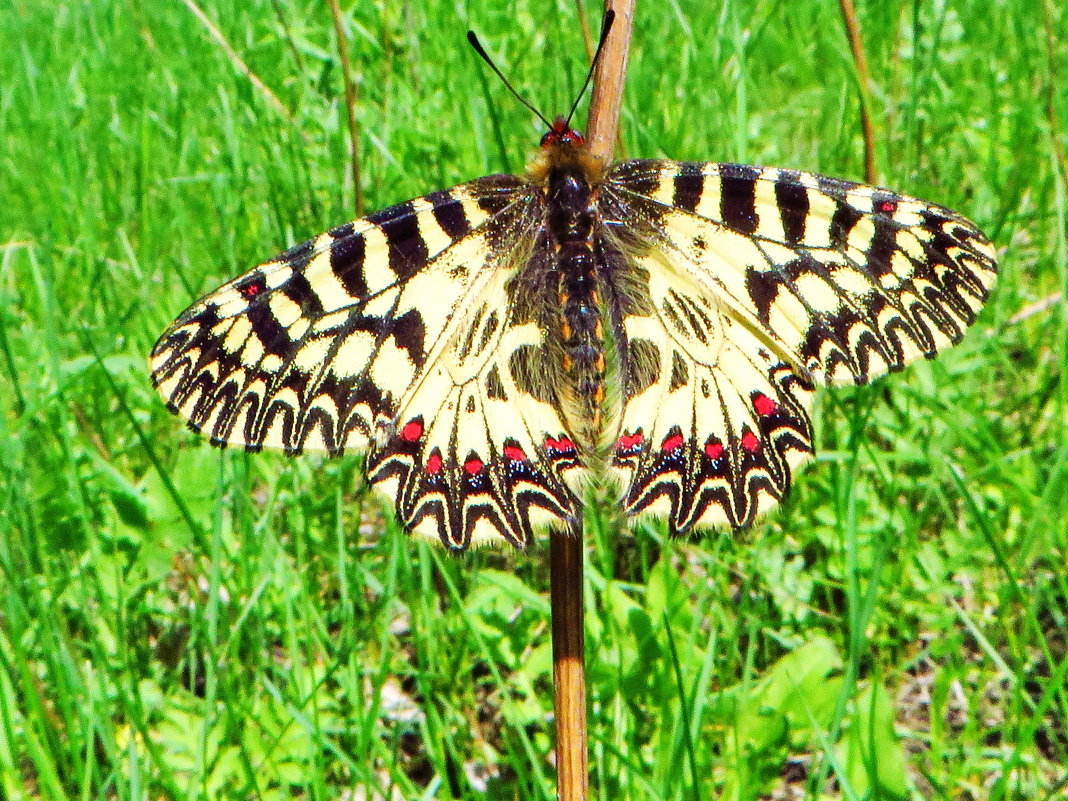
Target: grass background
column 180, row 622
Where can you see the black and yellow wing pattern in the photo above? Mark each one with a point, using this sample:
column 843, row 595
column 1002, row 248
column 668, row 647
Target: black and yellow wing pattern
column 763, row 283
column 495, row 346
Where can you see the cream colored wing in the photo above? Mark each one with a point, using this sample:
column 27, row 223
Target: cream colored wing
column 847, row 280
column 479, row 450
column 761, row 283
column 714, row 422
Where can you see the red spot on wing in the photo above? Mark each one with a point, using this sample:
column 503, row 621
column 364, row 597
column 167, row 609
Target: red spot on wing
column 562, row 445
column 252, row 288
column 433, row 464
column 764, row 405
column 713, row 450
column 887, row 206
column 412, row 430
column 750, row 441
column 672, row 442
column 473, row 465
column 515, row 453
column 629, row 441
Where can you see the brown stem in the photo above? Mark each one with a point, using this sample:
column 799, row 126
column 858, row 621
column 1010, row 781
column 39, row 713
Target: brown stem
column 237, row 62
column 584, row 23
column 856, row 44
column 350, row 104
column 608, row 82
column 569, row 662
column 1051, row 89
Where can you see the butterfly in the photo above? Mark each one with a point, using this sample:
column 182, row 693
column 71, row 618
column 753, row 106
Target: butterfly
column 496, row 346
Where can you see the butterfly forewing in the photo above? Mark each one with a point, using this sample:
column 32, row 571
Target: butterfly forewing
column 851, row 281
column 307, row 350
column 762, row 282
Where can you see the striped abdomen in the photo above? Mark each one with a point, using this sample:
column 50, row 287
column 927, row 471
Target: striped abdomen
column 570, row 221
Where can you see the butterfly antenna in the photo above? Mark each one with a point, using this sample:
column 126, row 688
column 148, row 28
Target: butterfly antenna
column 485, row 57
column 606, row 26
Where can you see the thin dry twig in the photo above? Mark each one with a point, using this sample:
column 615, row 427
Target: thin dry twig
column 606, row 99
column 1051, row 90
column 85, row 425
column 856, row 44
column 237, row 62
column 350, row 104
column 278, row 12
column 584, row 23
column 1037, row 307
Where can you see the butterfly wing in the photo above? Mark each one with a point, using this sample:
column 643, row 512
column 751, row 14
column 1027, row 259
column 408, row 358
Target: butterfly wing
column 366, row 338
column 480, row 450
column 763, row 282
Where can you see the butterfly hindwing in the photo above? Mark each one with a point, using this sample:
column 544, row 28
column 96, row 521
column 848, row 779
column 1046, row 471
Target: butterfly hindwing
column 480, row 449
column 713, row 421
column 367, row 338
column 761, row 283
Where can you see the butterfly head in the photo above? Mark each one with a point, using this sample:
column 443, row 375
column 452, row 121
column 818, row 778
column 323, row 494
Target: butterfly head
column 561, row 133
column 564, row 148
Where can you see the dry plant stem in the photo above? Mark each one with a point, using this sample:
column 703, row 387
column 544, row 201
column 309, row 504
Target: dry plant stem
column 1036, row 308
column 569, row 662
column 584, row 23
column 608, row 83
column 235, row 59
column 849, row 16
column 1051, row 89
column 350, row 104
